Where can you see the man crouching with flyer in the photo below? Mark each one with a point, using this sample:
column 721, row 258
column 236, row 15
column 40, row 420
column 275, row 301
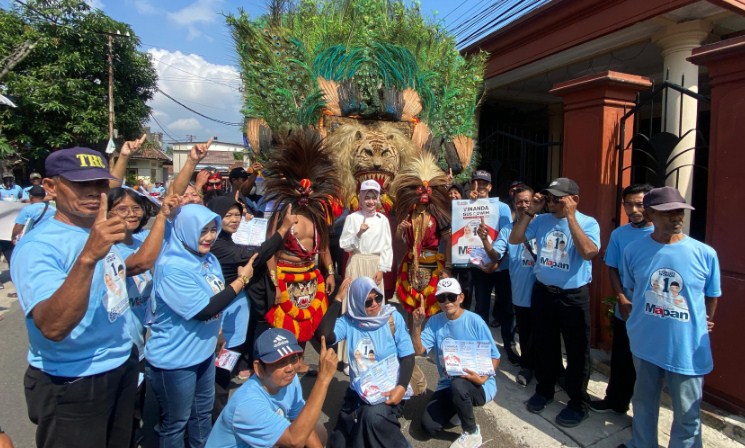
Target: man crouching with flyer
column 456, row 394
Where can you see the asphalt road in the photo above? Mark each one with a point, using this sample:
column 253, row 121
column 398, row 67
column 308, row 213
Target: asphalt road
column 14, row 419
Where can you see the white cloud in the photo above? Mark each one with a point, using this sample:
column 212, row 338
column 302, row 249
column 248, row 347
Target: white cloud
column 199, row 13
column 184, row 124
column 210, row 89
column 145, row 8
column 96, row 4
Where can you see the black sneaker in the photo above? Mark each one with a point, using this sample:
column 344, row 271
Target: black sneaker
column 569, row 418
column 600, row 406
column 538, row 403
column 524, row 376
column 603, row 406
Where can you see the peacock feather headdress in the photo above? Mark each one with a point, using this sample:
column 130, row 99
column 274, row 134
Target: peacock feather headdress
column 367, row 59
column 300, row 173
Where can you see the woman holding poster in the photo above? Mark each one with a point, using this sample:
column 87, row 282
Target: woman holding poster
column 381, row 358
column 367, row 237
column 422, row 206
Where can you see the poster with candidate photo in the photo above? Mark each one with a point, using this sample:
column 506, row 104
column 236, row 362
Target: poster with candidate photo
column 467, row 214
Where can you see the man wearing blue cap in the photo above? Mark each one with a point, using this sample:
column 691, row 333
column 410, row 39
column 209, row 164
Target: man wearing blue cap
column 81, row 380
column 675, row 285
column 269, row 410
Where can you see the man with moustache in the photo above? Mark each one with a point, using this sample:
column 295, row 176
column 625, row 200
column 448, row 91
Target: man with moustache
column 561, row 294
column 82, row 378
column 622, row 374
column 670, row 343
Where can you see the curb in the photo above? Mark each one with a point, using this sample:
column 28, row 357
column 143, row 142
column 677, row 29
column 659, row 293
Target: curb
column 731, row 425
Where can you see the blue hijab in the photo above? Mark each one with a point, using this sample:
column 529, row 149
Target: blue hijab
column 358, row 293
column 181, row 251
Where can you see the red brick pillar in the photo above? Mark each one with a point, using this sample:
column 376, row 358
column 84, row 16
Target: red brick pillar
column 593, row 106
column 725, row 214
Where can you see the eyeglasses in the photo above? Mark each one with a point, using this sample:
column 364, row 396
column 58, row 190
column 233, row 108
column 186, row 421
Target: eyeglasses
column 448, row 296
column 378, row 298
column 123, row 211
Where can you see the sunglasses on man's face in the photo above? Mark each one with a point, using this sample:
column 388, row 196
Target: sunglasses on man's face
column 448, row 296
column 552, row 198
column 378, row 298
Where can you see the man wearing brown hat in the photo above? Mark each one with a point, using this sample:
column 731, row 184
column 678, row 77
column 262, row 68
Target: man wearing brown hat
column 82, row 378
column 566, row 242
column 675, row 285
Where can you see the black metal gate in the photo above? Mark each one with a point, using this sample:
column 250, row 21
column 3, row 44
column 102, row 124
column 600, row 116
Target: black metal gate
column 652, row 147
column 514, row 154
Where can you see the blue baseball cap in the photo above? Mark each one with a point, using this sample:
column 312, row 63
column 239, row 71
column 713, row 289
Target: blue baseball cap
column 78, row 165
column 275, row 344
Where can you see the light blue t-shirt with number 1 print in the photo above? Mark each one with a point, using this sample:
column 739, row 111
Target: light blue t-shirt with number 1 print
column 559, row 263
column 668, row 325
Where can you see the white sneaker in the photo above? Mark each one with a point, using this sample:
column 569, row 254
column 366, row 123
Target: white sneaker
column 468, row 440
column 346, row 370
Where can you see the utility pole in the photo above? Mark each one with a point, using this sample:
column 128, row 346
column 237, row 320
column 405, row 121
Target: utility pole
column 110, row 36
column 190, row 137
column 111, row 86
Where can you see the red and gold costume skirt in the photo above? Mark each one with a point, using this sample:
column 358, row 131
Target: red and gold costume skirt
column 411, row 287
column 302, row 301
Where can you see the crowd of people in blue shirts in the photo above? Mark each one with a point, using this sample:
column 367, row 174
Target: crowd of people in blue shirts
column 131, row 305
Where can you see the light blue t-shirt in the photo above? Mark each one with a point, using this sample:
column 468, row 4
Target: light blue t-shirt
column 34, row 211
column 505, row 220
column 100, row 342
column 521, row 264
column 253, row 418
column 25, row 195
column 183, row 284
column 234, row 321
column 619, row 239
column 12, row 194
column 366, row 347
column 559, row 264
column 468, row 327
column 667, row 326
column 139, row 288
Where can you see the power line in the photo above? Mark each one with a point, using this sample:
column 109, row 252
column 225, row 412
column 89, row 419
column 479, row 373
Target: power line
column 162, row 128
column 197, row 76
column 227, row 123
column 465, row 13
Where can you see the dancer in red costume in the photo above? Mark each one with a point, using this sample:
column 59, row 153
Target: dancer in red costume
column 301, row 174
column 422, row 206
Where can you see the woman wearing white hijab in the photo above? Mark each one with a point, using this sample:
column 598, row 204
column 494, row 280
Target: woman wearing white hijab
column 377, row 332
column 367, row 237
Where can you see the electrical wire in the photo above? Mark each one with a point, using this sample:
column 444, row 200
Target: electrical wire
column 162, row 128
column 227, row 123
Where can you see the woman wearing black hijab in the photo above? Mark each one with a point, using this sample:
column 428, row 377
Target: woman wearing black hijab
column 239, row 330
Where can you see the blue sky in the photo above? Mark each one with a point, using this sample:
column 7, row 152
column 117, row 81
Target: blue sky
column 192, row 51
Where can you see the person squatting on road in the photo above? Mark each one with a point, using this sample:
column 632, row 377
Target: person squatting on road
column 374, row 332
column 454, row 396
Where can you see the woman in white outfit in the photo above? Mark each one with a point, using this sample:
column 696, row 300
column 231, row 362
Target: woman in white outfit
column 367, row 237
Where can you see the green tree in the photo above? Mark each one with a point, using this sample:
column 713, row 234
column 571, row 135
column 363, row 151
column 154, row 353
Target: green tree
column 61, row 86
